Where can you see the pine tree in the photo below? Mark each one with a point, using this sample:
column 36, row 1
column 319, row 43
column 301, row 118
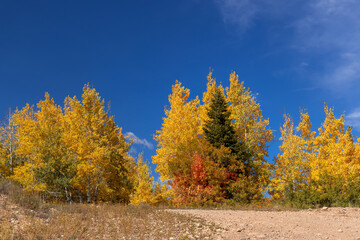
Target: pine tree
column 218, row 129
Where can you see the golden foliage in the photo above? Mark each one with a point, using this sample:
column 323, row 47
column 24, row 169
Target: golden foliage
column 181, row 138
column 291, row 164
column 178, row 137
column 78, row 152
column 39, row 137
column 317, row 169
column 8, row 144
column 100, row 149
column 249, row 123
column 143, row 184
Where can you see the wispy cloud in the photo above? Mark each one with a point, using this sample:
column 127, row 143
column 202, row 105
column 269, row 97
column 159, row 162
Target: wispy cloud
column 238, row 12
column 332, row 28
column 140, row 141
column 353, row 119
column 244, row 13
column 328, row 30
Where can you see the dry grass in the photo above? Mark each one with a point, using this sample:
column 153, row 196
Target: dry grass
column 265, row 205
column 18, row 196
column 103, row 221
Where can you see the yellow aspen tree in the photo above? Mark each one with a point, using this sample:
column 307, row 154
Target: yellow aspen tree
column 252, row 130
column 346, row 156
column 118, row 165
column 308, row 149
column 8, row 159
column 354, row 175
column 351, row 167
column 304, row 128
column 291, row 165
column 143, row 184
column 178, row 138
column 100, row 149
column 26, row 135
column 331, row 167
column 25, row 122
column 47, row 161
column 249, row 123
column 56, row 166
column 355, row 164
column 329, row 147
column 162, row 192
column 4, row 166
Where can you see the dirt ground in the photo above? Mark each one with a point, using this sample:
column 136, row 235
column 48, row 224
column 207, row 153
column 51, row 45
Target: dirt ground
column 326, row 223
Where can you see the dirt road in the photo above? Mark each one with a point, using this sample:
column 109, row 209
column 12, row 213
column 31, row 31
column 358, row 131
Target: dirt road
column 331, row 223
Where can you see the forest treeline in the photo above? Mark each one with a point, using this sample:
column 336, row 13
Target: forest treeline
column 210, row 150
column 73, row 153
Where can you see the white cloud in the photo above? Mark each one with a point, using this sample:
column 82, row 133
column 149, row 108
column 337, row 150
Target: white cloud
column 304, row 64
column 346, row 74
column 238, row 12
column 353, row 119
column 326, row 29
column 140, row 141
column 244, row 13
column 332, row 28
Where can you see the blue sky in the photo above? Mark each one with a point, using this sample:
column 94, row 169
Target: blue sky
column 295, row 54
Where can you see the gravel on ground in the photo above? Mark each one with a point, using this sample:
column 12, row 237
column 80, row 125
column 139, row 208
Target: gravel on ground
column 324, row 223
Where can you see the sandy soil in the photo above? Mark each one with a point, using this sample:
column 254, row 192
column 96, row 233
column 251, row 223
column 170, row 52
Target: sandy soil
column 327, row 223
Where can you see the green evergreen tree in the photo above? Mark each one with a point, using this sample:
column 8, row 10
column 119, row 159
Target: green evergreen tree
column 218, row 129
